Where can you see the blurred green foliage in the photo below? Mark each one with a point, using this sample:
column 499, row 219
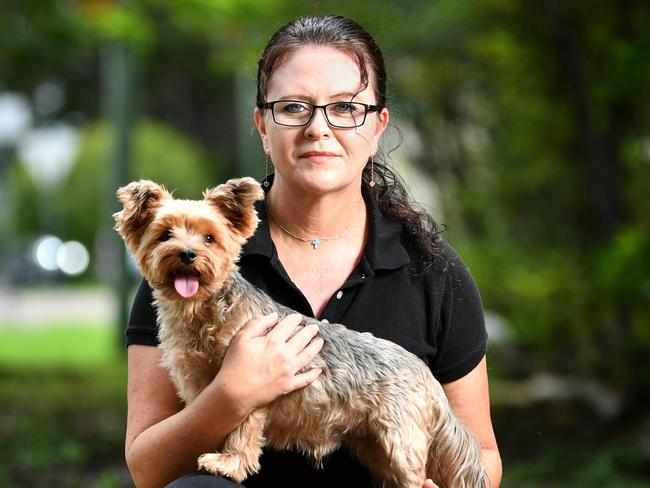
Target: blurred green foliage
column 63, row 406
column 159, row 153
column 63, row 427
column 571, row 466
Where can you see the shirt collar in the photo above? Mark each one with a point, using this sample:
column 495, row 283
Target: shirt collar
column 384, row 249
column 260, row 242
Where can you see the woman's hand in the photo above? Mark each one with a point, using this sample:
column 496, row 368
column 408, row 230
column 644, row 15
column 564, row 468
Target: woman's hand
column 263, row 360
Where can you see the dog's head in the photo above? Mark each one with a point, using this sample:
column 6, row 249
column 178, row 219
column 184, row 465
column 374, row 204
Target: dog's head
column 186, row 248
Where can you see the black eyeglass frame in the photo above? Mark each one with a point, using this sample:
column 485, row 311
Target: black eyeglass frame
column 369, row 108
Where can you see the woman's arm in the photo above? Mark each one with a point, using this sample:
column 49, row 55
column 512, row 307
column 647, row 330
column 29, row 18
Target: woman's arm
column 164, row 440
column 470, row 399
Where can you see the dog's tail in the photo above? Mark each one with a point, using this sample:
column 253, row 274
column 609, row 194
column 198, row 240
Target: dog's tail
column 454, row 455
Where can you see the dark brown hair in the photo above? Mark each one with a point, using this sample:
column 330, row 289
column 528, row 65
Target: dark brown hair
column 346, row 34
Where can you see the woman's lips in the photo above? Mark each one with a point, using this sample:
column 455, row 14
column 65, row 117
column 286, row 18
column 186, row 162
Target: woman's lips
column 318, row 156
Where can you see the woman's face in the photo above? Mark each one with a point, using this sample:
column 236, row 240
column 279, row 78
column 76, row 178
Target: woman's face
column 317, row 157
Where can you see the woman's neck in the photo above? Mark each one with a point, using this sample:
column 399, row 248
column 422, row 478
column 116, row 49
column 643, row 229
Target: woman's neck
column 311, row 216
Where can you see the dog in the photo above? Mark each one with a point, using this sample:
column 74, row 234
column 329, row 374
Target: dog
column 398, row 423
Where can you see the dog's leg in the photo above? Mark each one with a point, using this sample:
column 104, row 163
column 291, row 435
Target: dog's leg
column 240, row 456
column 396, row 456
column 454, row 455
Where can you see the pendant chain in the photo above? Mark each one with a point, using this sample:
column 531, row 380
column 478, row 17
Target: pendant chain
column 314, row 242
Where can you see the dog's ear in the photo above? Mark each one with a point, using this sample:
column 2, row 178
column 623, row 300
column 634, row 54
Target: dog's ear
column 235, row 199
column 140, row 200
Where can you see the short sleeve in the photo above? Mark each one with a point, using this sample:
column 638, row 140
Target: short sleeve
column 462, row 336
column 142, row 327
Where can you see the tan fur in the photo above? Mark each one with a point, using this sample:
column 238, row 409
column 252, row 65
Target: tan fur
column 373, row 396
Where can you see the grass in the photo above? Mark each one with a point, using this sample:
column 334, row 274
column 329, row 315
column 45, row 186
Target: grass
column 72, row 345
column 63, row 408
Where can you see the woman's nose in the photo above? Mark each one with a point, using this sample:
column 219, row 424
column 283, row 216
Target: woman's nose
column 318, row 125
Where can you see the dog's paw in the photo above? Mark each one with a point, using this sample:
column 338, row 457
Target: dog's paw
column 223, row 464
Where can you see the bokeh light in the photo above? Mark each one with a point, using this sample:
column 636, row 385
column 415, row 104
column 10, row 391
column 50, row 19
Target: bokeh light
column 15, row 117
column 51, row 254
column 72, row 258
column 45, row 250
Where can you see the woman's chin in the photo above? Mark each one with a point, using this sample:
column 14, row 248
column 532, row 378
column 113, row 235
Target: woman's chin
column 327, row 185
column 324, row 180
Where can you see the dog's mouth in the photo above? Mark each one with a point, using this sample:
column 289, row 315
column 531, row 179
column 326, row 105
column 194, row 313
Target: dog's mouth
column 186, row 285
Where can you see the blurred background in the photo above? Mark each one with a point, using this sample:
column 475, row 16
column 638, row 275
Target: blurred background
column 523, row 126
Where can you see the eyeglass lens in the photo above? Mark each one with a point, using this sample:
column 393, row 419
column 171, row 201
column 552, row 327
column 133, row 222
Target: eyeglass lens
column 339, row 114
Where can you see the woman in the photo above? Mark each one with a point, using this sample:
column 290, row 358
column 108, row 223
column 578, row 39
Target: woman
column 337, row 240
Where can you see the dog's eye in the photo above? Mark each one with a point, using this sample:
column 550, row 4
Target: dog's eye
column 166, row 236
column 209, row 239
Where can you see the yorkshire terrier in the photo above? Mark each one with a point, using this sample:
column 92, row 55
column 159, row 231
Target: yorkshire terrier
column 373, row 396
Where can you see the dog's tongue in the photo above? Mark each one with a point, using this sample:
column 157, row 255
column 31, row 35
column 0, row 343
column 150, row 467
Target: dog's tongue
column 186, row 286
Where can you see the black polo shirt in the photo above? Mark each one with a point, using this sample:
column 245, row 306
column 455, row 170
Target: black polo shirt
column 436, row 314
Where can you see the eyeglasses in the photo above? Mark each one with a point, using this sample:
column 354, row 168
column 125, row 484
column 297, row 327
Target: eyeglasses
column 295, row 113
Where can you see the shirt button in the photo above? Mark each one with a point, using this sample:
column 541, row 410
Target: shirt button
column 339, row 295
column 363, row 276
column 325, row 321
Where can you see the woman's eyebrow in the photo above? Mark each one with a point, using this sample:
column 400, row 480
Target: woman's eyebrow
column 340, row 95
column 345, row 94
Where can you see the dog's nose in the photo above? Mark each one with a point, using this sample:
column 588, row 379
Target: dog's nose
column 187, row 256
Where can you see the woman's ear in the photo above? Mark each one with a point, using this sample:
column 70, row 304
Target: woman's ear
column 260, row 123
column 383, row 117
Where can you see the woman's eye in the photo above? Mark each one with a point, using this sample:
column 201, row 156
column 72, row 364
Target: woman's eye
column 166, row 236
column 294, row 108
column 345, row 108
column 209, row 239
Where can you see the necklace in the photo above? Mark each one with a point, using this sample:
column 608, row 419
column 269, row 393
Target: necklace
column 314, row 242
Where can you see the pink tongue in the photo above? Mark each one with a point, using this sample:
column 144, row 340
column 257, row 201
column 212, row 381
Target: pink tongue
column 186, row 286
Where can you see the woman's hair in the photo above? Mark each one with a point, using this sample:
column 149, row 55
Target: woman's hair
column 345, row 34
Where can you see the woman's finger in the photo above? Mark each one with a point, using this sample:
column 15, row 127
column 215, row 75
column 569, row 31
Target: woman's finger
column 285, row 328
column 303, row 379
column 258, row 325
column 303, row 337
column 309, row 352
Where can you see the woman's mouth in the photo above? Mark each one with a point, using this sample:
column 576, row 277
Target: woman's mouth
column 318, row 156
